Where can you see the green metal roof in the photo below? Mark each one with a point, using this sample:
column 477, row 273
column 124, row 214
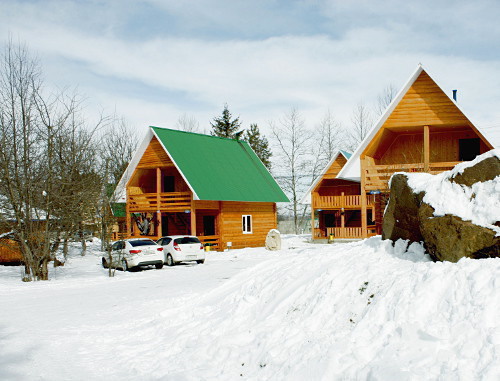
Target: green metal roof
column 219, row 168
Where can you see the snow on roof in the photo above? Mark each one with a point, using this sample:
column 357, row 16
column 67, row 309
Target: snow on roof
column 479, row 203
column 306, row 199
column 352, row 169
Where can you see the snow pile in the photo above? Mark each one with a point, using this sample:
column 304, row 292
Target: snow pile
column 479, row 203
column 364, row 310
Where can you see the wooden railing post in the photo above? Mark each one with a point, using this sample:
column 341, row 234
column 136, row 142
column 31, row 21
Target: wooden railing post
column 364, row 227
column 426, row 149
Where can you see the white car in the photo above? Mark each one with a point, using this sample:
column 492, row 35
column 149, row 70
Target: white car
column 135, row 252
column 182, row 248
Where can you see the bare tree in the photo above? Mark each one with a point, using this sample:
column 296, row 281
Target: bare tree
column 361, row 124
column 385, row 98
column 291, row 139
column 187, row 123
column 119, row 144
column 34, row 127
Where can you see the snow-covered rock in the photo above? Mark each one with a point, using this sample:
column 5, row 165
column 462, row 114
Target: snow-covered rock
column 456, row 213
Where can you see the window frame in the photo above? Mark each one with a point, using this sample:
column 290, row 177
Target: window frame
column 246, row 219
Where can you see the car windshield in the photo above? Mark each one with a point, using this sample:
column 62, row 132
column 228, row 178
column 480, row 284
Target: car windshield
column 186, row 240
column 142, row 242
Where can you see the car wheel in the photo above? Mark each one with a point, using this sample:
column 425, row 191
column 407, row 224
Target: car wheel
column 159, row 266
column 200, row 261
column 170, row 260
column 124, row 265
column 104, row 263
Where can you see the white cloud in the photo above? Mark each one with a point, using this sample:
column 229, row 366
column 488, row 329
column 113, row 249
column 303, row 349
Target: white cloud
column 154, row 80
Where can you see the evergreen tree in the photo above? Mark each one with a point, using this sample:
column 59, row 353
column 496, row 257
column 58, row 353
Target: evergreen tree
column 224, row 126
column 259, row 144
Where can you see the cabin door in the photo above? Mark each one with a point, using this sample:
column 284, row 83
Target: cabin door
column 208, row 225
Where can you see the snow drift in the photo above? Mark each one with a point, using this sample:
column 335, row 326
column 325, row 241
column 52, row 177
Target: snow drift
column 359, row 311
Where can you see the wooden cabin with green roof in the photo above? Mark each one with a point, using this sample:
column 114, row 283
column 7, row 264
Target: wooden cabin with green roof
column 186, row 183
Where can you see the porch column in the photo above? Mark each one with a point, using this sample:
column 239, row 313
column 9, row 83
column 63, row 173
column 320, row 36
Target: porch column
column 426, row 149
column 193, row 217
column 159, row 231
column 364, row 227
column 342, row 216
column 312, row 216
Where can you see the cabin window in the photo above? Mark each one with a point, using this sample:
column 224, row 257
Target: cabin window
column 169, row 184
column 247, row 224
column 468, row 149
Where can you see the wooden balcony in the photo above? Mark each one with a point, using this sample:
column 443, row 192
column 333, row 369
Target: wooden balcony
column 151, row 202
column 377, row 176
column 339, row 202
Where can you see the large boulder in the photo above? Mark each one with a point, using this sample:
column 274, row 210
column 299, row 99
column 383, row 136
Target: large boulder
column 453, row 213
column 401, row 215
column 449, row 238
column 484, row 170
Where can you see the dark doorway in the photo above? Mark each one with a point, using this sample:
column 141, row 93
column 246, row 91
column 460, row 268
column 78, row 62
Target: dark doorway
column 169, row 184
column 164, row 225
column 330, row 220
column 208, row 225
column 468, row 149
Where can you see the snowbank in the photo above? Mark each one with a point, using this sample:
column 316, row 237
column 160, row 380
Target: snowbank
column 479, row 203
column 358, row 311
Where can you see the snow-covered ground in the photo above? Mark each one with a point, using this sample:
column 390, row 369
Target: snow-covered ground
column 356, row 311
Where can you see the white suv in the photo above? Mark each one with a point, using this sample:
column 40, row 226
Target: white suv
column 182, row 248
column 134, row 252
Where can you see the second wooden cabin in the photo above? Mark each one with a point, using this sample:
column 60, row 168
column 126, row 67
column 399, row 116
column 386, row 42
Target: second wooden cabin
column 422, row 130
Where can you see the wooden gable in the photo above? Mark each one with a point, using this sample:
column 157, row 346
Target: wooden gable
column 154, row 156
column 425, row 104
column 335, row 168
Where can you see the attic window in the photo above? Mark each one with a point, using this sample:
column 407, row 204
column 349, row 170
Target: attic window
column 246, row 222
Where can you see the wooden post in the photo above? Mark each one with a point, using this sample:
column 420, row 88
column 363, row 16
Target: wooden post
column 159, row 231
column 426, row 149
column 220, row 219
column 193, row 217
column 312, row 217
column 127, row 219
column 342, row 217
column 364, row 227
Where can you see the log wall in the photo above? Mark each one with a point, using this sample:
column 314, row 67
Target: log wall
column 263, row 219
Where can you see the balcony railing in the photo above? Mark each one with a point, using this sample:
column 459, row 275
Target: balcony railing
column 345, row 232
column 338, row 202
column 169, row 201
column 377, row 176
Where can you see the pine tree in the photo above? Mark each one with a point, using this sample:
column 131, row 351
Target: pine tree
column 224, row 126
column 259, row 144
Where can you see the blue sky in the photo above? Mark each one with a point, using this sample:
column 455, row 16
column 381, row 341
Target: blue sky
column 153, row 61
